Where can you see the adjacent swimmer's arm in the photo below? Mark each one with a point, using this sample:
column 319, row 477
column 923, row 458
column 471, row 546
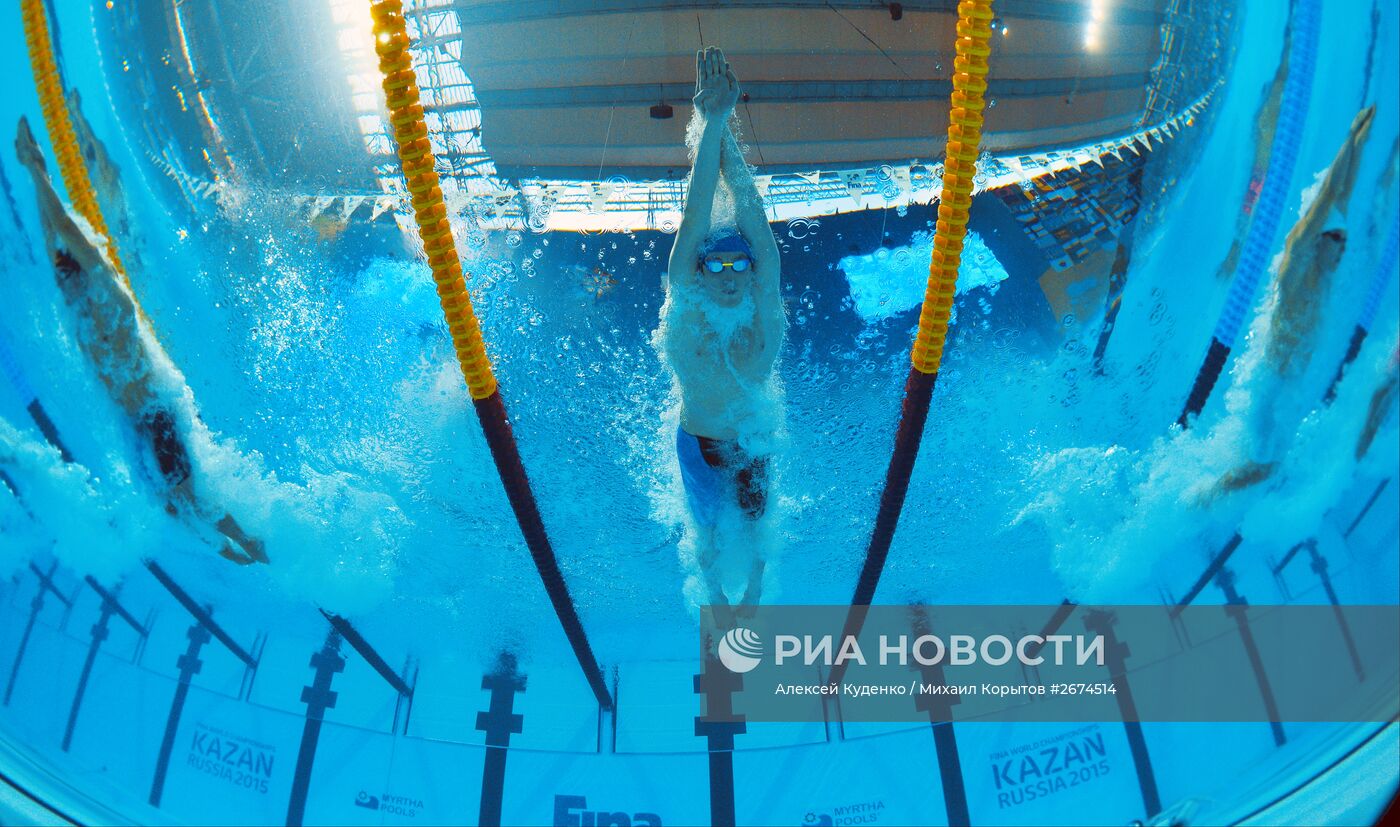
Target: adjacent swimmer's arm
column 714, row 100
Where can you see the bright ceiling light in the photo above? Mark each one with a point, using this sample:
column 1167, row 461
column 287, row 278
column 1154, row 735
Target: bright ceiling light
column 1098, row 13
column 355, row 36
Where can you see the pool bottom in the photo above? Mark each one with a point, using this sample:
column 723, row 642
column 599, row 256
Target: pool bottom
column 111, row 733
column 1349, row 781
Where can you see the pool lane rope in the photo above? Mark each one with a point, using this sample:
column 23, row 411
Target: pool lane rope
column 959, row 169
column 24, row 392
column 391, row 43
column 1278, row 179
column 49, row 84
column 964, row 137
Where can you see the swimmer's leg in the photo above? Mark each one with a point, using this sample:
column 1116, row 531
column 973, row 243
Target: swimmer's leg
column 752, row 483
column 707, row 550
column 704, row 486
column 754, row 592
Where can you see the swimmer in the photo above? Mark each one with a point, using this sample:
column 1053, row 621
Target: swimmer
column 1311, row 254
column 1381, row 400
column 722, row 326
column 106, row 177
column 109, row 334
column 1269, row 109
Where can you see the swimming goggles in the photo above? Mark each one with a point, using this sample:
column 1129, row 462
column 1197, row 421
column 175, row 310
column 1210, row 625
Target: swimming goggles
column 716, row 265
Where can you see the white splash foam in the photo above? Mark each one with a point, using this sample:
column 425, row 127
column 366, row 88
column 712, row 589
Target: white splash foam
column 891, row 281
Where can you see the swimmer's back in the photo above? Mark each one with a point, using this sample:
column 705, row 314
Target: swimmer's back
column 107, row 328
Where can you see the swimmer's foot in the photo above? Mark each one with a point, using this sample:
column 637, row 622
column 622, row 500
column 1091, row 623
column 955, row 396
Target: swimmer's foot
column 724, row 616
column 236, row 557
column 256, row 550
column 252, row 546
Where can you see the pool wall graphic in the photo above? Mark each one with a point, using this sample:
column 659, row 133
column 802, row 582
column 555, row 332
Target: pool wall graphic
column 313, row 733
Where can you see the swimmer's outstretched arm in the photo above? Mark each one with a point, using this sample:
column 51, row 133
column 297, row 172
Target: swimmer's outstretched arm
column 59, row 227
column 1348, row 160
column 714, row 100
column 1341, row 176
column 749, row 212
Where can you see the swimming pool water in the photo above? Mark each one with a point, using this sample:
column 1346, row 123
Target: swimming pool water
column 338, row 429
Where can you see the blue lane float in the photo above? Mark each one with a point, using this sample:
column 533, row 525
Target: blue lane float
column 1370, row 303
column 1278, row 180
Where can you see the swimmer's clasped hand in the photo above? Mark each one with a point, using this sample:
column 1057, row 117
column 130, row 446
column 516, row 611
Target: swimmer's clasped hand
column 716, row 88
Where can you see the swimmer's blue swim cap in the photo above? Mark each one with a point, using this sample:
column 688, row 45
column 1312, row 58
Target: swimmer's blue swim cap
column 726, row 242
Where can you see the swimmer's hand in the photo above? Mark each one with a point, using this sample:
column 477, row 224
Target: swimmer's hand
column 28, row 149
column 1361, row 127
column 716, row 88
